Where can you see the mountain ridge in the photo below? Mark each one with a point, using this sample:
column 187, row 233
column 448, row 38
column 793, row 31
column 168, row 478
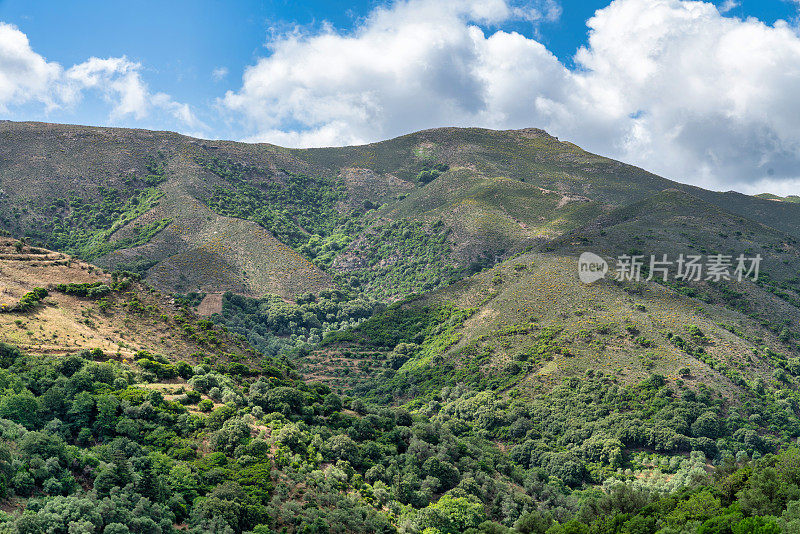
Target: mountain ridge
column 177, row 191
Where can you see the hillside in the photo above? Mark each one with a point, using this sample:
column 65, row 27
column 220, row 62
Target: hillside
column 120, row 319
column 208, row 336
column 674, row 222
column 627, row 329
column 130, row 199
column 216, row 216
column 770, row 196
column 518, row 385
column 117, row 409
column 528, row 324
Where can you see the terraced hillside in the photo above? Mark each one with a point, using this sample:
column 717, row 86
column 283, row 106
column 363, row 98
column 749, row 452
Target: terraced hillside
column 86, row 308
column 624, row 328
column 529, row 323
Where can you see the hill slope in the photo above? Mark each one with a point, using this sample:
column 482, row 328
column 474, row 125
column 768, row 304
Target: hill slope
column 508, row 394
column 159, row 202
column 121, row 318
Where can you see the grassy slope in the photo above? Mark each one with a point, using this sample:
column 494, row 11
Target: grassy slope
column 135, row 319
column 622, row 329
column 597, row 328
column 674, row 222
column 535, row 157
column 213, row 252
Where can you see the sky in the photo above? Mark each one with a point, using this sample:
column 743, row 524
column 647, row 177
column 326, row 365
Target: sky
column 699, row 92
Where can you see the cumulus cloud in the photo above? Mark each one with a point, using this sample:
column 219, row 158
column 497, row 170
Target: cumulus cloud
column 697, row 96
column 182, row 112
column 27, row 77
column 417, row 63
column 119, row 81
column 674, row 86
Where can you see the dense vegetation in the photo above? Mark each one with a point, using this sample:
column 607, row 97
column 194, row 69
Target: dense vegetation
column 597, row 407
column 400, row 258
column 272, row 325
column 86, row 228
column 386, row 262
column 295, row 208
column 91, row 448
column 82, row 224
column 439, row 427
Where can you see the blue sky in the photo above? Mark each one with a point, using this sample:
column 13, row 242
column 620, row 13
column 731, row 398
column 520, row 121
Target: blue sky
column 332, row 73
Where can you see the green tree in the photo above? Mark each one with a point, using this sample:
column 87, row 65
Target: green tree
column 21, row 408
column 767, row 493
column 699, row 507
column 452, row 515
column 707, row 425
column 757, row 525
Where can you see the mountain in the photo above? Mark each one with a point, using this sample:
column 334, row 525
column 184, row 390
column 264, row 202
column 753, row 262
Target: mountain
column 216, row 216
column 209, row 336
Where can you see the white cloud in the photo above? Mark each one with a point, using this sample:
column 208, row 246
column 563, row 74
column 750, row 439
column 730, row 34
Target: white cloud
column 119, row 81
column 728, row 5
column 27, row 77
column 219, row 73
column 180, row 111
column 418, row 63
column 670, row 85
column 714, row 97
column 546, row 10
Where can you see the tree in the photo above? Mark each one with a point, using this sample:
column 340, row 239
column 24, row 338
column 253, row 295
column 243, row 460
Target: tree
column 333, row 403
column 707, row 425
column 342, row 447
column 446, row 472
column 699, row 507
column 20, row 408
column 229, row 502
column 107, row 407
column 756, row 525
column 8, row 355
column 452, row 515
column 767, row 493
column 82, row 410
column 234, row 432
column 119, row 473
column 116, row 528
column 533, row 523
column 43, row 445
column 219, row 416
column 6, row 469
